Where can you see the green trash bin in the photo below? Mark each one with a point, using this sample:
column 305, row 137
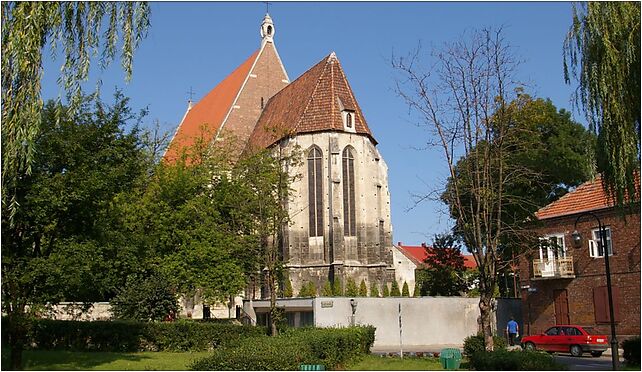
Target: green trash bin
column 450, row 358
column 312, row 367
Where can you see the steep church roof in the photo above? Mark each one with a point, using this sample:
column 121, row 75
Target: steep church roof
column 311, row 103
column 231, row 109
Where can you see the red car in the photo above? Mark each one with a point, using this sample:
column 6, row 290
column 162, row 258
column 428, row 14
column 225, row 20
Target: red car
column 572, row 339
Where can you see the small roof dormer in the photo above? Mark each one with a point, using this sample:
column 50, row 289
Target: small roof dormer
column 267, row 29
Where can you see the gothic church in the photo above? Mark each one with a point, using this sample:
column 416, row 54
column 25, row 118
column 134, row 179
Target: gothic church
column 340, row 211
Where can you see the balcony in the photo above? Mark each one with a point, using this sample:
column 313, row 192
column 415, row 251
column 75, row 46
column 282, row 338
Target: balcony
column 560, row 268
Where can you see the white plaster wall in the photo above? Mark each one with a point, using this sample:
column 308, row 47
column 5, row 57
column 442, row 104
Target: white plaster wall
column 425, row 320
column 73, row 311
column 404, row 269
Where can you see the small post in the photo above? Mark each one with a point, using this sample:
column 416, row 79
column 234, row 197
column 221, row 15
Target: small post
column 400, row 334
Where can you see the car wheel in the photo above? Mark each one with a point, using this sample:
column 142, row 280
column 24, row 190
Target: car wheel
column 596, row 354
column 576, row 351
column 529, row 346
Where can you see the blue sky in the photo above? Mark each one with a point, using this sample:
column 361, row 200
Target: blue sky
column 197, row 44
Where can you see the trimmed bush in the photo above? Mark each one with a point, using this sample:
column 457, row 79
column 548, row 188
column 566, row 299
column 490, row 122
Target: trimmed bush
column 386, row 291
column 337, row 288
column 503, row 360
column 332, row 347
column 363, row 289
column 327, row 290
column 632, row 351
column 474, row 344
column 394, row 289
column 374, row 289
column 131, row 336
column 351, row 288
column 405, row 291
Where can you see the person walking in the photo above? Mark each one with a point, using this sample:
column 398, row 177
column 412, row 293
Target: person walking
column 512, row 328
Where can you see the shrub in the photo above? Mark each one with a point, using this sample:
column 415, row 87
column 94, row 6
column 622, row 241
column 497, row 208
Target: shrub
column 363, row 289
column 327, row 289
column 351, row 288
column 331, row 347
column 288, row 292
column 405, row 291
column 374, row 289
column 632, row 351
column 473, row 344
column 145, row 298
column 417, row 291
column 503, row 360
column 131, row 336
column 308, row 289
column 337, row 288
column 394, row 290
column 386, row 291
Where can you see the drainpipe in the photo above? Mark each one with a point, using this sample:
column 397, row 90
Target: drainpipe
column 331, row 217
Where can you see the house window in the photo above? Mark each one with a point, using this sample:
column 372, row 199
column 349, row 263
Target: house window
column 595, row 245
column 601, row 304
column 349, row 120
column 349, row 212
column 552, row 247
column 315, row 191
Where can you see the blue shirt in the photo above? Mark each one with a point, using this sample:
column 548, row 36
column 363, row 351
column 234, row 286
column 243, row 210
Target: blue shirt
column 512, row 326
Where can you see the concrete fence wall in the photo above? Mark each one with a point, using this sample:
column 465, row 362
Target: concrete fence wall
column 424, row 320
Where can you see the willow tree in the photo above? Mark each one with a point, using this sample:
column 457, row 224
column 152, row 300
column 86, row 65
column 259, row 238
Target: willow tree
column 82, row 30
column 462, row 101
column 602, row 52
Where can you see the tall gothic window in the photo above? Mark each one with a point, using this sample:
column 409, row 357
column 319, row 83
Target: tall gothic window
column 315, row 191
column 349, row 210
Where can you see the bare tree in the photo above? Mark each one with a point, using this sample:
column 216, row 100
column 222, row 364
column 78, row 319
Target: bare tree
column 463, row 100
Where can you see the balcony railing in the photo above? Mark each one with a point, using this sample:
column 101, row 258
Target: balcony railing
column 553, row 268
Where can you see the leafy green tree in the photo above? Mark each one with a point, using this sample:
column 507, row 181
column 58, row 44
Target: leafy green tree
column 443, row 275
column 374, row 289
column 417, row 291
column 337, row 288
column 58, row 246
column 363, row 289
column 386, row 290
column 351, row 288
column 405, row 291
column 326, row 291
column 83, row 30
column 145, row 298
column 394, row 289
column 602, row 52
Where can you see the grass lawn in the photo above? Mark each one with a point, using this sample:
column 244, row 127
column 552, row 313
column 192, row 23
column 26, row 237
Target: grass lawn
column 378, row 363
column 68, row 360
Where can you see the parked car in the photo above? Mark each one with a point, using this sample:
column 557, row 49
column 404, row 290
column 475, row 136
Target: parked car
column 572, row 339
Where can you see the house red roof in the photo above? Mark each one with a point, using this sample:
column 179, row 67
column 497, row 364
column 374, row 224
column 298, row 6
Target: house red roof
column 589, row 196
column 418, row 255
column 204, row 119
column 311, row 103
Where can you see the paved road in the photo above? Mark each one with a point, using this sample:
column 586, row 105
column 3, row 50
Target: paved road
column 585, row 363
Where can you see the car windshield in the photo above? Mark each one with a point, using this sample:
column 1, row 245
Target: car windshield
column 591, row 331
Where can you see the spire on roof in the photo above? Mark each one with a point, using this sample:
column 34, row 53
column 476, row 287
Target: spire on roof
column 267, row 29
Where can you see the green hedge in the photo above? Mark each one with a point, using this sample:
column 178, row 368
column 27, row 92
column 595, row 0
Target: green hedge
column 503, row 360
column 331, row 347
column 131, row 336
column 474, row 344
column 632, row 351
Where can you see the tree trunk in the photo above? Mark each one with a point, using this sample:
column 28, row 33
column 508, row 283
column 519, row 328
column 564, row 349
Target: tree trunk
column 486, row 313
column 17, row 335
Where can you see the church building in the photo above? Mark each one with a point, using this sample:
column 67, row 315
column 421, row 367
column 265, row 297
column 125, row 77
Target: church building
column 340, row 225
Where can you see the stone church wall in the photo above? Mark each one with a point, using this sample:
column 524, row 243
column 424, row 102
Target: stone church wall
column 366, row 256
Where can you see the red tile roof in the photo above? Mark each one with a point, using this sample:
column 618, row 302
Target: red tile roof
column 418, row 255
column 311, row 103
column 589, row 196
column 204, row 119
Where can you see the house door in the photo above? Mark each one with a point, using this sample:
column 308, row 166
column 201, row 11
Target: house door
column 561, row 307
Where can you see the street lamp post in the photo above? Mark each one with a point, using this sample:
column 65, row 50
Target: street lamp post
column 577, row 242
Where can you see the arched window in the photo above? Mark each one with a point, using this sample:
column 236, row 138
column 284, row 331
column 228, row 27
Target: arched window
column 315, row 191
column 349, row 210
